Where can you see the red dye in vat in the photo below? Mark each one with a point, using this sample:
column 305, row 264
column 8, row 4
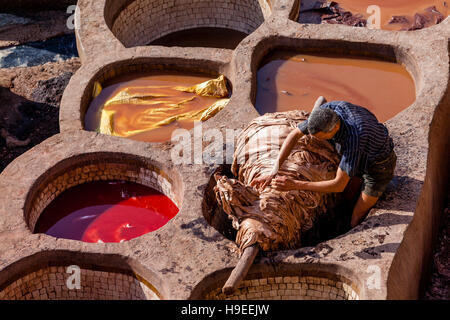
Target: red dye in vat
column 103, row 211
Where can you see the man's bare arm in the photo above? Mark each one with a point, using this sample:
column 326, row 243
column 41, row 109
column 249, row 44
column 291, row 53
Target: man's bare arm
column 336, row 185
column 286, row 148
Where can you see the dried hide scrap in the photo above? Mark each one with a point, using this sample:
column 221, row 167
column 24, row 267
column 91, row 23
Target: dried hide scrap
column 273, row 219
column 211, row 88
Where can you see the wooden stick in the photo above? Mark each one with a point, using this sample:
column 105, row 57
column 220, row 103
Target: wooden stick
column 240, row 271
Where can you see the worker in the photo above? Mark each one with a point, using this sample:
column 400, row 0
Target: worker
column 366, row 148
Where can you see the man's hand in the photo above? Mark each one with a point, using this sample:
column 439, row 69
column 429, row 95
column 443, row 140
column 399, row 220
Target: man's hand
column 286, row 149
column 286, row 184
column 263, row 182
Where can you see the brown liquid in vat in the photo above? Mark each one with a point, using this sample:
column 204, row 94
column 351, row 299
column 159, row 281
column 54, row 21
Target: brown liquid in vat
column 137, row 117
column 289, row 81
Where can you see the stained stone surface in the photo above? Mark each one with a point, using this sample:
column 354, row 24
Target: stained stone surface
column 188, row 258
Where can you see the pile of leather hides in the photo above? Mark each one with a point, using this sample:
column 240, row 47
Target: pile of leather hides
column 273, row 219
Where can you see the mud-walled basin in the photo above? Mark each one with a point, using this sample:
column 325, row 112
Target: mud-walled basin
column 151, row 106
column 54, row 194
column 47, row 276
column 106, row 211
column 289, row 283
column 292, row 74
column 139, row 22
column 290, row 80
column 146, row 99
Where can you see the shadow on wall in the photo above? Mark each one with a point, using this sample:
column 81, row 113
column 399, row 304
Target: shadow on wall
column 208, row 37
column 375, row 251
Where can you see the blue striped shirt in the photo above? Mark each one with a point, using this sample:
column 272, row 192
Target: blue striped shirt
column 361, row 140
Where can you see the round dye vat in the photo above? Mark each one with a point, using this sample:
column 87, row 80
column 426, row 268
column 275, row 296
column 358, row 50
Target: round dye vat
column 202, row 37
column 155, row 100
column 106, row 211
column 400, row 8
column 289, row 81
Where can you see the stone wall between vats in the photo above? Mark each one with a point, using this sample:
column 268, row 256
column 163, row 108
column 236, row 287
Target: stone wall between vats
column 51, row 283
column 143, row 21
column 290, row 288
column 97, row 170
